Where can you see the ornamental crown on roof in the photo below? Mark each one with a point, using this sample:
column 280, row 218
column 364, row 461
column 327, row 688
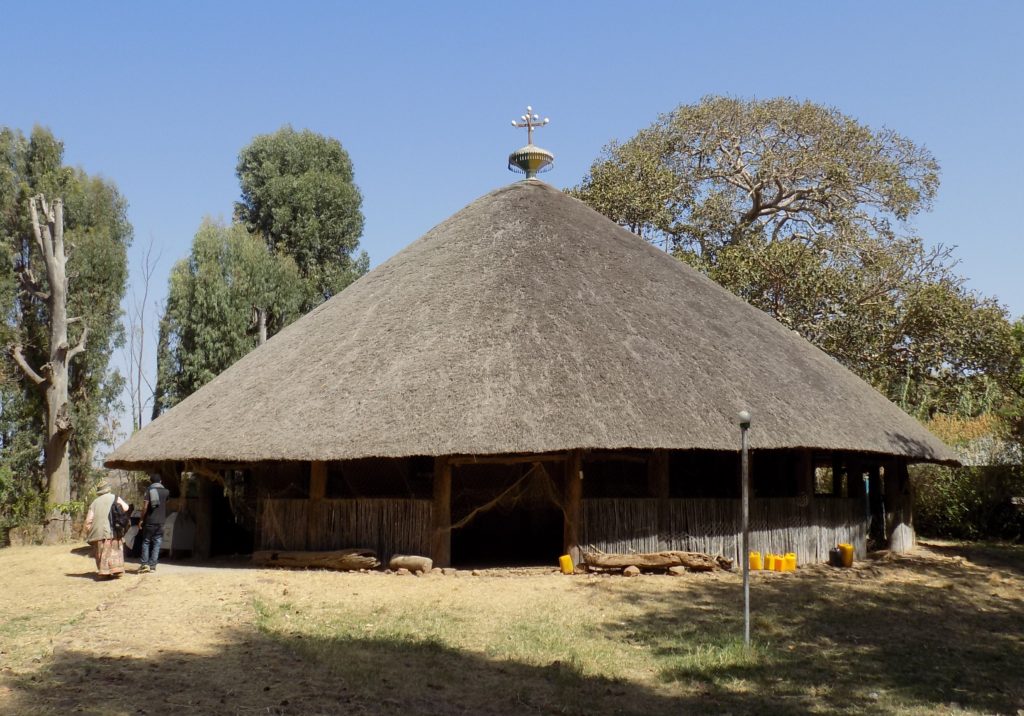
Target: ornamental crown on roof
column 530, row 160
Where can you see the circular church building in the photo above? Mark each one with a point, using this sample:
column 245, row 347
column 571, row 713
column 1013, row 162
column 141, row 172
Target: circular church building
column 529, row 379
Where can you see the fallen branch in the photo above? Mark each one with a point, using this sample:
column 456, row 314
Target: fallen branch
column 342, row 559
column 694, row 561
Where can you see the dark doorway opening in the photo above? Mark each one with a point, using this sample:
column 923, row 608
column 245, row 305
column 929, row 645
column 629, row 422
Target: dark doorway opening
column 517, row 518
column 231, row 532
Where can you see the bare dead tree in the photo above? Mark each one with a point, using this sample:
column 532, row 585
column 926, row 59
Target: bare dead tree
column 140, row 386
column 52, row 378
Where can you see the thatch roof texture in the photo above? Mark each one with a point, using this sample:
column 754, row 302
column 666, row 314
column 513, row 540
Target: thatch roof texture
column 527, row 323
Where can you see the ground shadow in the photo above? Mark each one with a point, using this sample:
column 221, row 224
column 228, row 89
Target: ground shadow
column 823, row 644
column 92, row 576
column 257, row 673
column 991, row 555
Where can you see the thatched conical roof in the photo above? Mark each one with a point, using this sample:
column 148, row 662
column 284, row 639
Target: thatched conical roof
column 525, row 323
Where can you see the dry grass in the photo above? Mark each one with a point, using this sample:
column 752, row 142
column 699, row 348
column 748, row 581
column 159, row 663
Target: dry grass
column 939, row 632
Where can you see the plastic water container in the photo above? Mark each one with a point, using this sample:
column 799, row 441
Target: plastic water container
column 769, row 562
column 780, row 563
column 755, row 561
column 846, row 554
column 566, row 565
column 789, row 562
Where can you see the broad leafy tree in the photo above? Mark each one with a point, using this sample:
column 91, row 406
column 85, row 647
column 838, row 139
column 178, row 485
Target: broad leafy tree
column 806, row 213
column 298, row 194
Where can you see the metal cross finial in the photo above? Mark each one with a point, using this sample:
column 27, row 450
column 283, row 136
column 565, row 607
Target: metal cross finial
column 530, row 121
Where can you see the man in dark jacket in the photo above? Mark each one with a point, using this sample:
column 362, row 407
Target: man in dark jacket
column 154, row 514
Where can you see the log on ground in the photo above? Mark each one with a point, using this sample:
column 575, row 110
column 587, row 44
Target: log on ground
column 342, row 559
column 694, row 561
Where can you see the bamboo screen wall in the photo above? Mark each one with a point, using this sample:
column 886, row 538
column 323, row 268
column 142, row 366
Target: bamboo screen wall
column 388, row 526
column 393, row 526
column 779, row 525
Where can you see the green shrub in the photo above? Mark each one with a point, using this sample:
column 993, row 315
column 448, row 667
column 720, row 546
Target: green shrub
column 21, row 502
column 969, row 502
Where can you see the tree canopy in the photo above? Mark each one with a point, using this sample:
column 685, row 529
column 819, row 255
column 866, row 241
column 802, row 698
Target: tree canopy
column 806, row 213
column 298, row 193
column 298, row 227
column 208, row 323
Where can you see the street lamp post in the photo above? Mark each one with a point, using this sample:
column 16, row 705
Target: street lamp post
column 744, row 421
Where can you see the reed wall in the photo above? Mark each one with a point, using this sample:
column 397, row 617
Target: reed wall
column 387, row 526
column 779, row 525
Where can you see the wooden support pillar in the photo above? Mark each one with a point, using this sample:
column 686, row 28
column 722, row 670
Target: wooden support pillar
column 317, row 492
column 658, row 487
column 899, row 506
column 317, row 480
column 441, row 542
column 875, row 502
column 204, row 518
column 573, row 505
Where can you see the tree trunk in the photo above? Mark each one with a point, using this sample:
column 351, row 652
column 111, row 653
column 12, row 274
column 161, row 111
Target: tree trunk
column 261, row 323
column 52, row 379
column 58, row 428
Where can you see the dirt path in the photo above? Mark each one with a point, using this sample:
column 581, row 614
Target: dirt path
column 100, row 632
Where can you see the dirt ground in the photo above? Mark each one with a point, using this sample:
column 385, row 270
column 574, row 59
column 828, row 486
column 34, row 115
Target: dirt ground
column 941, row 631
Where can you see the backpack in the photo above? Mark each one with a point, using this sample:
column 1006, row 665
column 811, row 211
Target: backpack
column 120, row 520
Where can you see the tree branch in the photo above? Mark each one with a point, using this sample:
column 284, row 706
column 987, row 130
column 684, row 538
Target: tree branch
column 30, row 285
column 19, row 358
column 81, row 343
column 36, row 226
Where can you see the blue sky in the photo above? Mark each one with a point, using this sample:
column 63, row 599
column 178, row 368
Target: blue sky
column 160, row 98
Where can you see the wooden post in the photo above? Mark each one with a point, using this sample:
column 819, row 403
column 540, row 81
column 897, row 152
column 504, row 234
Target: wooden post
column 658, row 487
column 204, row 518
column 441, row 544
column 573, row 505
column 875, row 502
column 899, row 502
column 317, row 492
column 317, row 480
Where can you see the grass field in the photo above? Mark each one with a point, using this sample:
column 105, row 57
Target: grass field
column 941, row 631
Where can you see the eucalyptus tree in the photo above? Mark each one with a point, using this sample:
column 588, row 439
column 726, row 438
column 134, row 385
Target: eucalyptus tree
column 66, row 236
column 209, row 321
column 807, row 213
column 294, row 246
column 299, row 194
